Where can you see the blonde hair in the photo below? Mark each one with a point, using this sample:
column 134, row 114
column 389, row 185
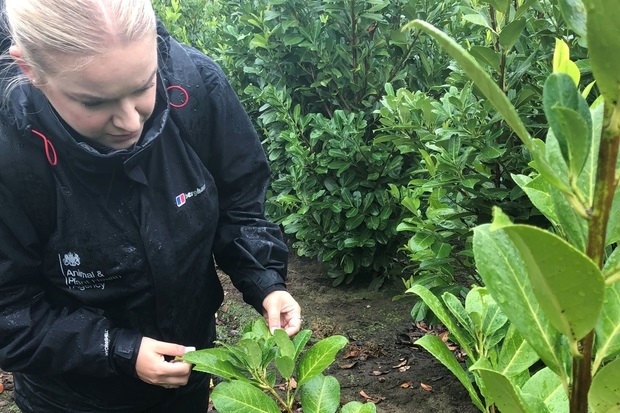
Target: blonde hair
column 46, row 31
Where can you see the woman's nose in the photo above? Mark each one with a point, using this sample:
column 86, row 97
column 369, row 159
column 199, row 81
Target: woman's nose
column 127, row 117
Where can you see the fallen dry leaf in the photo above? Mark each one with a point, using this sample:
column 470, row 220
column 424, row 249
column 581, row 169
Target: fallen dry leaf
column 426, row 387
column 404, row 368
column 378, row 373
column 406, row 384
column 401, row 364
column 292, row 383
column 347, row 365
column 371, row 399
column 1, row 387
column 351, row 354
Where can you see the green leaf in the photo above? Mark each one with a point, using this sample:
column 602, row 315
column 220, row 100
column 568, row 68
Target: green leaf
column 604, row 395
column 486, row 55
column 493, row 319
column 499, row 5
column 358, row 407
column 458, row 311
column 562, row 62
column 321, row 395
column 504, row 275
column 574, row 14
column 547, row 386
column 603, row 34
column 508, row 397
column 438, row 309
column 253, row 353
column 285, row 365
column 516, row 354
column 421, row 241
column 569, row 117
column 511, row 33
column 575, row 130
column 440, row 351
column 537, row 190
column 355, row 222
column 207, row 361
column 608, row 326
column 477, row 19
column 557, row 272
column 241, row 397
column 285, row 344
column 318, row 358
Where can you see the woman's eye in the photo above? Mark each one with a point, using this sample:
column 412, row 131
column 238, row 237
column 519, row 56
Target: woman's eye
column 92, row 104
column 145, row 89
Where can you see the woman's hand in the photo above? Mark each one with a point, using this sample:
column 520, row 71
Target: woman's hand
column 152, row 367
column 282, row 311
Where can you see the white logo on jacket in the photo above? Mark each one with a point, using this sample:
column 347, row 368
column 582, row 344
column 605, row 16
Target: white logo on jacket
column 71, row 259
column 78, row 279
column 181, row 199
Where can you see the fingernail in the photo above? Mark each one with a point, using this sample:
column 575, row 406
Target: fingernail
column 188, row 349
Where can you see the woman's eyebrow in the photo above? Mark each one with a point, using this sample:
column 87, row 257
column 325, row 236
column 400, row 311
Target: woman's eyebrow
column 99, row 98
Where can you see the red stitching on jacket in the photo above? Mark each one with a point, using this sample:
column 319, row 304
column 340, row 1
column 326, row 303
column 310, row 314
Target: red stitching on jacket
column 185, row 94
column 50, row 152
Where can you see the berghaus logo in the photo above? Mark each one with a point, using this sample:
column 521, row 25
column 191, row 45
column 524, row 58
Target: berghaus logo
column 182, row 198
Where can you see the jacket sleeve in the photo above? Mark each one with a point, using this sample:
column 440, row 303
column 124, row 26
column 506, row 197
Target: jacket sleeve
column 36, row 337
column 248, row 247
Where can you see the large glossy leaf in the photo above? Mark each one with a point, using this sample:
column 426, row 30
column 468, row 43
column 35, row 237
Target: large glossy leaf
column 508, row 397
column 321, row 395
column 516, row 354
column 241, row 397
column 318, row 358
column 604, row 396
column 568, row 285
column 547, row 386
column 504, row 275
column 439, row 310
column 608, row 326
column 603, row 36
column 440, row 351
column 207, row 361
column 574, row 14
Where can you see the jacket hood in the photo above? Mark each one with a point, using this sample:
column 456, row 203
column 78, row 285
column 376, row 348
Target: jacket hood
column 33, row 112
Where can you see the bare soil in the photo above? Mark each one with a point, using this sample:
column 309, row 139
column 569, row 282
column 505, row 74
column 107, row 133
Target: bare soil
column 379, row 365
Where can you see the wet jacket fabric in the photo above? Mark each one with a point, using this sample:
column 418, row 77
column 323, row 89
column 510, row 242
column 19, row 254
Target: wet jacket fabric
column 132, row 241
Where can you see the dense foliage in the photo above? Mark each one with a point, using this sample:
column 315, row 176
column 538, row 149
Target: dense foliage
column 383, row 153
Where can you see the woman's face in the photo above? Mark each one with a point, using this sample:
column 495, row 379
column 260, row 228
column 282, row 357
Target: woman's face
column 109, row 99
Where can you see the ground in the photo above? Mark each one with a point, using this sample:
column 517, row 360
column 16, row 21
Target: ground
column 380, row 364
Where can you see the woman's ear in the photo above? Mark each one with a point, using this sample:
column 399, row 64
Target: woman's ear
column 16, row 54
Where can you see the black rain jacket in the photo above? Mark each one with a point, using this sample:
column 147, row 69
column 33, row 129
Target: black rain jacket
column 132, row 240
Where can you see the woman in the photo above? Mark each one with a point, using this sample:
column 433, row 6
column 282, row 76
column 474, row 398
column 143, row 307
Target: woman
column 107, row 267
